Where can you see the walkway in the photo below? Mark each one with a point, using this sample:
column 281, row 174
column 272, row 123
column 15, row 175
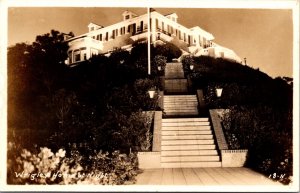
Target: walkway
column 203, row 176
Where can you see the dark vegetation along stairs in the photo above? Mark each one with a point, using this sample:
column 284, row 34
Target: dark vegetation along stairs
column 186, row 139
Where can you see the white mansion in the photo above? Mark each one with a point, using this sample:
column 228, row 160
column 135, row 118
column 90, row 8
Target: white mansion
column 163, row 28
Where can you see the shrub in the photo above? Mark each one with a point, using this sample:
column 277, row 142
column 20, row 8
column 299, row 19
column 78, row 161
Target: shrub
column 268, row 139
column 46, row 167
column 186, row 62
column 168, row 50
column 125, row 132
column 161, row 61
column 141, row 88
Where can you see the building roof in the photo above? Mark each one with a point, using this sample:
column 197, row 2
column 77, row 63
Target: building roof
column 171, row 14
column 129, row 12
column 94, row 24
column 208, row 35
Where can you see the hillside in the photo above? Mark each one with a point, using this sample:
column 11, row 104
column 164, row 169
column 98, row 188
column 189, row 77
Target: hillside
column 241, row 84
column 260, row 112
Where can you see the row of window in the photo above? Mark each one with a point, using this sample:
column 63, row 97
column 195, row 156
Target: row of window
column 80, row 54
column 132, row 28
column 160, row 26
column 169, row 30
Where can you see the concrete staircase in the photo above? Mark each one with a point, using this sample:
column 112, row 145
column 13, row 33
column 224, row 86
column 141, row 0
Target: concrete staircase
column 180, row 105
column 176, row 86
column 174, row 71
column 188, row 142
column 186, row 139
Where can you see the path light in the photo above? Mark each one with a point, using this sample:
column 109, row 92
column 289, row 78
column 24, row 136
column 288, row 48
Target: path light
column 219, row 92
column 159, row 67
column 192, row 66
column 151, row 92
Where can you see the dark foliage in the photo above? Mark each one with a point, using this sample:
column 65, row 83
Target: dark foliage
column 168, row 50
column 98, row 102
column 260, row 117
column 267, row 134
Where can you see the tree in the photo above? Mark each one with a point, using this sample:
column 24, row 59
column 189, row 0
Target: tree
column 34, row 72
column 168, row 50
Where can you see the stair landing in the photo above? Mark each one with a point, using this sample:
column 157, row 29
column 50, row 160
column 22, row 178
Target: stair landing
column 174, row 71
column 205, row 177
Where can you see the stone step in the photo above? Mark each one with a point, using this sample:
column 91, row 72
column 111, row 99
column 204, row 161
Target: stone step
column 200, row 158
column 174, row 70
column 190, row 164
column 202, row 143
column 191, row 99
column 180, row 96
column 181, row 103
column 184, row 120
column 175, row 74
column 172, row 106
column 179, row 124
column 181, row 109
column 176, row 90
column 183, row 106
column 187, row 147
column 181, row 113
column 176, row 82
column 189, row 152
column 186, row 128
column 173, row 133
column 186, row 137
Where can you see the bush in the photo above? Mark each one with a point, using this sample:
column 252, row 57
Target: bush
column 46, row 167
column 141, row 88
column 125, row 132
column 168, row 50
column 161, row 61
column 268, row 139
column 186, row 62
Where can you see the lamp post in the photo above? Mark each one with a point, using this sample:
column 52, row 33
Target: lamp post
column 219, row 94
column 154, row 95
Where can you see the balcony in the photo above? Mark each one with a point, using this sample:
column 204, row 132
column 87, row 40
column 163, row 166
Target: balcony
column 140, row 35
column 163, row 36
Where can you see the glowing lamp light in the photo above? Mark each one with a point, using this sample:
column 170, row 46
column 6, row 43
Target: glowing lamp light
column 219, row 92
column 151, row 93
column 159, row 68
column 192, row 66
